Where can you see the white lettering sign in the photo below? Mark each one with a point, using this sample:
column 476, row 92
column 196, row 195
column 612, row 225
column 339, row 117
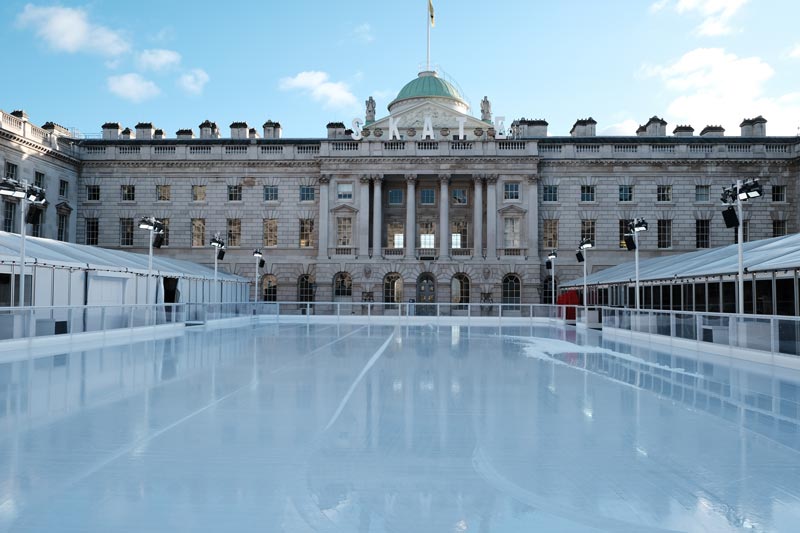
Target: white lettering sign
column 499, row 125
column 427, row 128
column 394, row 133
column 461, row 122
column 356, row 135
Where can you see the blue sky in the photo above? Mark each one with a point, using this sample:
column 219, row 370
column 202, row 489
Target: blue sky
column 305, row 63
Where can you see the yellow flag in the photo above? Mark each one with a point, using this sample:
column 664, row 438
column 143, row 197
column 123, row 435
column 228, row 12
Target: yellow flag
column 430, row 12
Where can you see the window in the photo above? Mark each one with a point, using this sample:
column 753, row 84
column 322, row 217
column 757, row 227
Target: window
column 234, row 231
column 511, row 190
column 550, row 193
column 395, row 196
column 125, row 231
column 36, row 225
column 38, row 179
column 163, row 193
column 587, row 193
column 342, row 285
column 665, row 233
column 745, row 232
column 778, row 228
column 626, row 193
column 165, row 222
column 344, row 231
column 11, row 171
column 459, row 196
column 270, row 193
column 270, row 232
column 624, row 229
column 702, row 193
column 458, row 234
column 588, row 230
column 63, row 228
column 306, row 193
column 459, row 291
column 234, row 193
column 9, row 216
column 306, row 232
column 198, row 193
column 92, row 231
column 269, row 287
column 511, row 289
column 63, row 188
column 395, row 232
column 427, row 197
column 779, row 193
column 702, row 232
column 550, row 233
column 427, row 236
column 344, row 191
column 198, row 232
column 93, row 193
column 305, row 289
column 128, row 193
column 664, row 193
column 511, row 232
column 392, row 288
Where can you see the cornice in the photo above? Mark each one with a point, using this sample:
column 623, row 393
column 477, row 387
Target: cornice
column 201, row 163
column 428, row 160
column 661, row 162
column 38, row 147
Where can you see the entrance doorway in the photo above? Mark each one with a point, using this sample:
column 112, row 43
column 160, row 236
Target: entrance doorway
column 426, row 294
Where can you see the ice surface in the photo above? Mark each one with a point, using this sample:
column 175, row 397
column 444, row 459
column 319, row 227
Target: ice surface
column 319, row 428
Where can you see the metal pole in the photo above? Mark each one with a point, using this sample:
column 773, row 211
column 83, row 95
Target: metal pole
column 636, row 260
column 740, row 248
column 585, row 295
column 149, row 266
column 255, row 285
column 215, row 274
column 428, row 25
column 553, row 280
column 23, row 202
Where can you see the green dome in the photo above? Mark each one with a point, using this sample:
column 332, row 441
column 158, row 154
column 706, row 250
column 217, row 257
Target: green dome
column 428, row 85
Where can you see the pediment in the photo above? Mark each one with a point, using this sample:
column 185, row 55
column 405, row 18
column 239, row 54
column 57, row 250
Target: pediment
column 441, row 117
column 512, row 210
column 344, row 208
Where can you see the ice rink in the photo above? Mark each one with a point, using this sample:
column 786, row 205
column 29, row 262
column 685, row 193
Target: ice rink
column 325, row 428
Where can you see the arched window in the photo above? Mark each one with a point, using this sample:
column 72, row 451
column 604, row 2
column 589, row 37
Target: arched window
column 392, row 288
column 512, row 287
column 342, row 285
column 305, row 289
column 269, row 288
column 459, row 291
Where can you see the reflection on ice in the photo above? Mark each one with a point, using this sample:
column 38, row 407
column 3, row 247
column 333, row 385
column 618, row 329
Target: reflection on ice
column 380, row 429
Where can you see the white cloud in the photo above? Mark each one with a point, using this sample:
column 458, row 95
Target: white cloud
column 795, row 51
column 132, row 87
column 627, row 127
column 333, row 95
column 716, row 87
column 363, row 33
column 158, row 59
column 193, row 81
column 716, row 14
column 68, row 30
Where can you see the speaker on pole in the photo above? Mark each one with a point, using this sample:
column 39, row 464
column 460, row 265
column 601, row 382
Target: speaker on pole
column 579, row 255
column 221, row 255
column 729, row 215
column 548, row 265
column 630, row 244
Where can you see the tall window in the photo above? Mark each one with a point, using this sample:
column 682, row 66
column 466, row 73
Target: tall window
column 63, row 188
column 306, row 232
column 550, row 233
column 427, row 235
column 459, row 196
column 511, row 190
column 234, row 227
column 305, row 289
column 306, row 193
column 63, row 228
column 92, row 231
column 38, row 179
column 512, row 288
column 664, row 233
column 165, row 222
column 270, row 193
column 342, row 285
column 270, row 232
column 427, row 197
column 702, row 231
column 512, row 232
column 93, row 193
column 163, row 193
column 11, row 171
column 395, row 196
column 459, row 291
column 9, row 216
column 198, row 193
column 778, row 228
column 588, row 230
column 36, row 225
column 269, row 288
column 125, row 231
column 128, row 193
column 458, row 234
column 664, row 193
column 198, row 232
column 344, row 191
column 550, row 193
column 587, row 193
column 702, row 193
column 624, row 228
column 234, row 193
column 344, row 231
column 395, row 231
column 779, row 193
column 392, row 288
column 626, row 193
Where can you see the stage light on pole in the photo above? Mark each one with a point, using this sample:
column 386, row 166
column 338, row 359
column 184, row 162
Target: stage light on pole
column 739, row 192
column 259, row 263
column 632, row 243
column 551, row 257
column 583, row 248
column 154, row 227
column 219, row 253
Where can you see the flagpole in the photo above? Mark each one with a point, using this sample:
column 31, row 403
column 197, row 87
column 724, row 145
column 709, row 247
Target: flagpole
column 428, row 25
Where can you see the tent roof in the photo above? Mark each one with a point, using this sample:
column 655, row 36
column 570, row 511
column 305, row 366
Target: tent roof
column 64, row 254
column 779, row 253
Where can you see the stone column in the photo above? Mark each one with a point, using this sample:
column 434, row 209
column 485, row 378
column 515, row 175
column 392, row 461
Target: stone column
column 491, row 216
column 363, row 216
column 477, row 217
column 324, row 216
column 411, row 216
column 533, row 217
column 444, row 216
column 377, row 216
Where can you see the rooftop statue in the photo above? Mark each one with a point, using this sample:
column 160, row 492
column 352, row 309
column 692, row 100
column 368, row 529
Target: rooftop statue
column 486, row 109
column 370, row 110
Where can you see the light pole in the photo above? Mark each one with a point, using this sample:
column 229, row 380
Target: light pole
column 739, row 192
column 583, row 247
column 154, row 226
column 219, row 253
column 635, row 227
column 552, row 258
column 259, row 263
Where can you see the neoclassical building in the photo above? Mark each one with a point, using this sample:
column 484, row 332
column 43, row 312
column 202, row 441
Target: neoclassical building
column 427, row 202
